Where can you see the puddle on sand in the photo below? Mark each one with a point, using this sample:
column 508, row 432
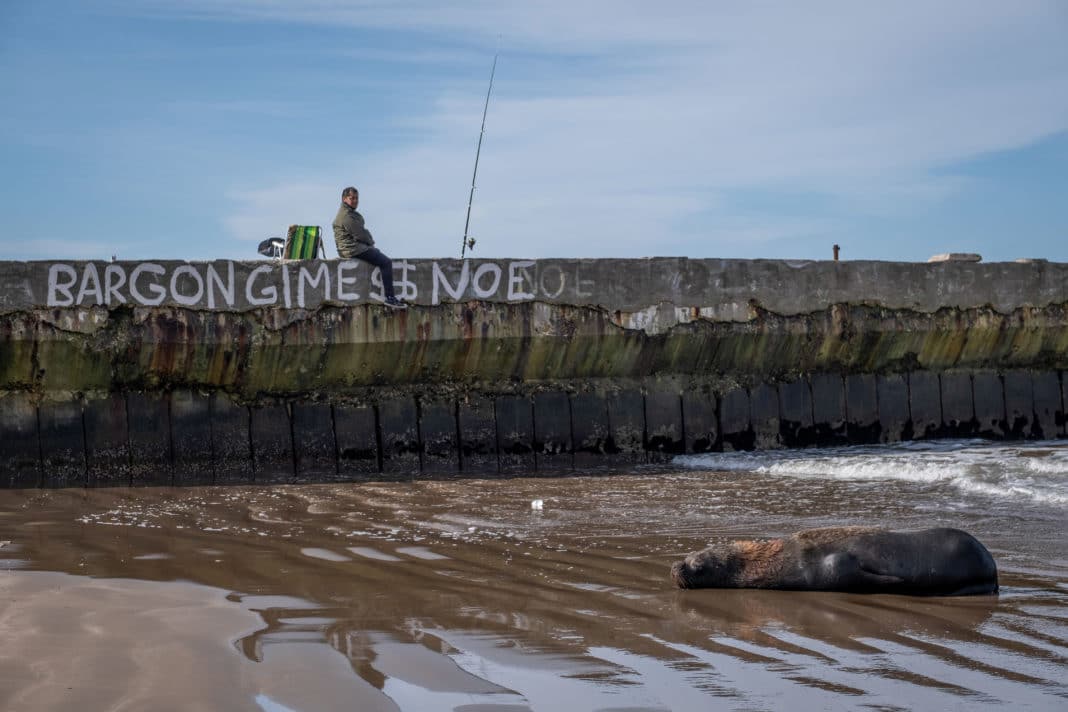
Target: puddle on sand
column 324, row 554
column 372, row 553
column 420, row 552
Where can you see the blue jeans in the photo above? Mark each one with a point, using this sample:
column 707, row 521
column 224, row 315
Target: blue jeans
column 375, row 257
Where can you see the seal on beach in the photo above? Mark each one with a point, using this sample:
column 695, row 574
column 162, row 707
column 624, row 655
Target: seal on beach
column 930, row 562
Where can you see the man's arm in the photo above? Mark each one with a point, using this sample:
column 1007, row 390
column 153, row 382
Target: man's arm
column 355, row 226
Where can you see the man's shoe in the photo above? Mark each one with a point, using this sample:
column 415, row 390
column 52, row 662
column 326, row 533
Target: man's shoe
column 394, row 303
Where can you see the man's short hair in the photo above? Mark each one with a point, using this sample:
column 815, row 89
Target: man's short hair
column 350, row 191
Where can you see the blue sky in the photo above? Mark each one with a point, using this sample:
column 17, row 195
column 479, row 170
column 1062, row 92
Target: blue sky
column 196, row 128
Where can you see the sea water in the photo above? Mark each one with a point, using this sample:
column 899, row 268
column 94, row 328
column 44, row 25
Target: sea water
column 1027, row 473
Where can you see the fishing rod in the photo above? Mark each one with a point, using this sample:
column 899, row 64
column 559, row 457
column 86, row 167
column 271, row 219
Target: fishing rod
column 471, row 196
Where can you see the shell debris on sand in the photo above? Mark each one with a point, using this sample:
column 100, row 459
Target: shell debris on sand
column 537, row 504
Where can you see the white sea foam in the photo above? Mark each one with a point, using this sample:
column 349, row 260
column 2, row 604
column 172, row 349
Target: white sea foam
column 1035, row 471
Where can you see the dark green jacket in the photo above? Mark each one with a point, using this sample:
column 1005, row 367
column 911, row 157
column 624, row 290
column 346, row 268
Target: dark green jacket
column 351, row 236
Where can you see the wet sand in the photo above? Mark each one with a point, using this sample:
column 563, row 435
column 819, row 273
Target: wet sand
column 457, row 595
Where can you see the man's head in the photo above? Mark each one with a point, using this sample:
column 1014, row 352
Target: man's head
column 350, row 197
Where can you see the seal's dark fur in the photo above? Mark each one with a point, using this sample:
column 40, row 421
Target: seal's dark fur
column 862, row 559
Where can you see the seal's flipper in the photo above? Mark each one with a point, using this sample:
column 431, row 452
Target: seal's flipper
column 874, row 578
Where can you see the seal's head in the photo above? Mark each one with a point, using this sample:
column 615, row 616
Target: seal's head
column 711, row 568
column 680, row 574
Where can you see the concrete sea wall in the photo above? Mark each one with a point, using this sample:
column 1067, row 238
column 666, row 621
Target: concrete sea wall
column 218, row 372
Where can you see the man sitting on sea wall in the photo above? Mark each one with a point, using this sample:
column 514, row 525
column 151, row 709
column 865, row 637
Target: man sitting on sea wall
column 354, row 241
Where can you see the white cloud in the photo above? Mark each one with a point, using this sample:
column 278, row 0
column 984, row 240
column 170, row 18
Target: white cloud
column 269, row 212
column 862, row 102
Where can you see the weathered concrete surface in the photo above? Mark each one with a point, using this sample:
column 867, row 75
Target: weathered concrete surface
column 895, row 422
column 192, row 438
column 626, row 425
column 988, row 394
column 401, row 452
column 271, row 437
column 829, row 408
column 358, row 441
column 107, row 450
column 231, row 441
column 553, row 439
column 764, row 416
column 700, row 420
column 721, row 289
column 20, row 465
column 958, row 406
column 1020, row 420
column 663, row 417
column 862, row 408
column 795, row 417
column 314, row 442
column 237, row 372
column 749, row 321
column 735, row 424
column 62, row 437
column 151, row 459
column 589, row 427
column 438, row 440
column 514, row 425
column 476, row 421
column 1062, row 415
column 925, row 404
column 1049, row 408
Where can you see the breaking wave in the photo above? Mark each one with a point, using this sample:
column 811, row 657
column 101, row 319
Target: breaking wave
column 1033, row 471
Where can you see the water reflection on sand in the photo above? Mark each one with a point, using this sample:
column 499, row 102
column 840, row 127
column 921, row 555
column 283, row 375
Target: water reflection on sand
column 457, row 595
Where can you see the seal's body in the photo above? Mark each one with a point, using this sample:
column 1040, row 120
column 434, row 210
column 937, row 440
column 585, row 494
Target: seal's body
column 931, row 562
